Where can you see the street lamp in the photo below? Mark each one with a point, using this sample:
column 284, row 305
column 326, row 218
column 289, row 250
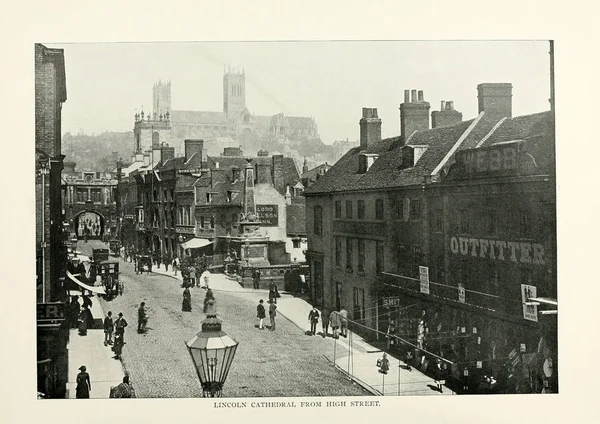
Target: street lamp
column 212, row 352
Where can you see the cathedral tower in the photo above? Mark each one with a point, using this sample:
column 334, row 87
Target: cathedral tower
column 234, row 94
column 161, row 98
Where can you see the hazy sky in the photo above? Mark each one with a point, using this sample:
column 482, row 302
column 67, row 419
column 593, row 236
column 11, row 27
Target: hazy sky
column 331, row 81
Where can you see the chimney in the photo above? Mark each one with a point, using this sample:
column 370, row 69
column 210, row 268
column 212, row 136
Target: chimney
column 146, row 159
column 370, row 128
column 263, row 173
column 167, row 153
column 414, row 115
column 156, row 156
column 236, row 173
column 194, row 146
column 495, row 99
column 305, row 167
column 445, row 116
column 277, row 169
column 288, row 196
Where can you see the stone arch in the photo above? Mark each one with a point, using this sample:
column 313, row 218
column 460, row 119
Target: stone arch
column 89, row 222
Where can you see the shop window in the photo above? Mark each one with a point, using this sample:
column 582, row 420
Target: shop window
column 360, row 206
column 318, row 220
column 349, row 209
column 361, row 255
column 349, row 254
column 359, row 304
column 379, row 209
column 338, row 209
column 338, row 252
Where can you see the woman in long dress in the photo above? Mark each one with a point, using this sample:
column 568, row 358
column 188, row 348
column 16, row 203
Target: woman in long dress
column 186, row 306
column 82, row 390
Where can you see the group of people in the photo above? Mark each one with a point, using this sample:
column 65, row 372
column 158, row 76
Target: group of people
column 118, row 328
column 261, row 314
column 83, row 386
column 186, row 305
column 80, row 314
column 338, row 320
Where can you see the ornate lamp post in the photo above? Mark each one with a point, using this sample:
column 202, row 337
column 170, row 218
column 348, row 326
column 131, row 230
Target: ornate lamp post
column 212, row 352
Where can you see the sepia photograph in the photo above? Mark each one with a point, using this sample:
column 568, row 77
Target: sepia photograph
column 295, row 219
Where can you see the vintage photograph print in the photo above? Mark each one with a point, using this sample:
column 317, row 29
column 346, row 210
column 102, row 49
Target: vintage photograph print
column 295, row 219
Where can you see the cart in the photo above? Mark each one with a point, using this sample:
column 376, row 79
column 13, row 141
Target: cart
column 108, row 272
column 115, row 247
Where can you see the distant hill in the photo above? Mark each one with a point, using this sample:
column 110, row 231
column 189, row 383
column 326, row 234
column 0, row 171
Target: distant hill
column 95, row 152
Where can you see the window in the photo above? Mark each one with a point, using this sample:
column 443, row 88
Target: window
column 402, row 260
column 415, row 209
column 417, row 259
column 463, row 221
column 379, row 209
column 96, row 195
column 338, row 209
column 378, row 257
column 338, row 252
column 525, row 224
column 441, row 269
column 491, row 222
column 359, row 304
column 209, row 197
column 318, row 220
column 202, row 222
column 438, row 221
column 361, row 255
column 349, row 209
column 212, row 222
column 398, row 209
column 361, row 209
column 349, row 254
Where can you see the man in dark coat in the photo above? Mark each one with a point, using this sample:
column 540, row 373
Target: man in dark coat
column 325, row 321
column 260, row 314
column 272, row 313
column 142, row 319
column 186, row 305
column 313, row 318
column 108, row 329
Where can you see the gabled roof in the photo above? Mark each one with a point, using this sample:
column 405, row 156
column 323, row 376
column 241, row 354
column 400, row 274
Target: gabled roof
column 311, row 173
column 521, row 127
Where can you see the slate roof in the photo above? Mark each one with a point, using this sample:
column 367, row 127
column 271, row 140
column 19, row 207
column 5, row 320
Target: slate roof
column 387, row 171
column 198, row 117
column 296, row 218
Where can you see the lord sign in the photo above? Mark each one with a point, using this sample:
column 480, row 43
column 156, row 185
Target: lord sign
column 268, row 215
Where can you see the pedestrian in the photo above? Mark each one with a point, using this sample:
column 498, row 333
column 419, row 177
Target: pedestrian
column 85, row 317
column 325, row 321
column 343, row 314
column 142, row 318
column 118, row 346
column 186, row 305
column 208, row 297
column 136, row 264
column 167, row 262
column 256, row 279
column 123, row 390
column 75, row 311
column 391, row 339
column 204, row 280
column 384, row 364
column 84, row 385
column 273, row 292
column 120, row 325
column 439, row 376
column 260, row 314
column 334, row 320
column 272, row 313
column 193, row 276
column 313, row 319
column 108, row 329
column 175, row 266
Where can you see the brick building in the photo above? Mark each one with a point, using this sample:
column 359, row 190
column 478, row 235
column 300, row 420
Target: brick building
column 425, row 199
column 50, row 94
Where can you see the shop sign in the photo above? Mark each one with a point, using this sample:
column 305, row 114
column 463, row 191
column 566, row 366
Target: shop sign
column 51, row 311
column 529, row 311
column 461, row 293
column 424, row 279
column 185, row 230
column 523, row 347
column 479, row 364
column 499, row 250
column 268, row 215
column 390, row 302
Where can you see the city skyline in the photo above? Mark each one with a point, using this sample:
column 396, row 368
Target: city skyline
column 299, row 79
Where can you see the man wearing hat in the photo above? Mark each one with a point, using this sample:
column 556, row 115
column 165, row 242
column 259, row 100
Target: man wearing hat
column 82, row 390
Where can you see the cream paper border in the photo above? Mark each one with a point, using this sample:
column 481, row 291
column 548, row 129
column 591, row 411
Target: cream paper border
column 572, row 26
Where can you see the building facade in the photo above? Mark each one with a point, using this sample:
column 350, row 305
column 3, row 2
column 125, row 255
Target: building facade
column 446, row 233
column 51, row 254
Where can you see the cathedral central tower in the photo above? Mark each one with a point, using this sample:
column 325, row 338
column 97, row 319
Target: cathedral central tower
column 234, row 94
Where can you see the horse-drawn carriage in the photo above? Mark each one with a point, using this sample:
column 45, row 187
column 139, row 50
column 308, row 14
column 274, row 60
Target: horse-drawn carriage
column 115, row 247
column 108, row 273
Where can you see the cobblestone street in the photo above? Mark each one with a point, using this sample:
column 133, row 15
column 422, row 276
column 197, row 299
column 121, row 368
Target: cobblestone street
column 280, row 363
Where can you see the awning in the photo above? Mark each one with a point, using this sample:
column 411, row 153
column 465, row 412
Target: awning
column 99, row 290
column 196, row 243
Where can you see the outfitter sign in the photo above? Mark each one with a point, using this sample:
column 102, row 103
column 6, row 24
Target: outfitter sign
column 515, row 251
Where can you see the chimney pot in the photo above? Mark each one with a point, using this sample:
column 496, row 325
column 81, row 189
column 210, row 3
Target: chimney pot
column 450, row 105
column 413, row 96
column 420, row 95
column 443, row 106
column 406, row 96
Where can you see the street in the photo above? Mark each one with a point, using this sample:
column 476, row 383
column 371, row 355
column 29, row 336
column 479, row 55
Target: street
column 267, row 364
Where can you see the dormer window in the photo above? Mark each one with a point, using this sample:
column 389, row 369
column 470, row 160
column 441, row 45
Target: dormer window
column 209, row 197
column 229, row 196
column 365, row 161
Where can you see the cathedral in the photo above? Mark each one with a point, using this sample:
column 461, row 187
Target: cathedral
column 232, row 127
